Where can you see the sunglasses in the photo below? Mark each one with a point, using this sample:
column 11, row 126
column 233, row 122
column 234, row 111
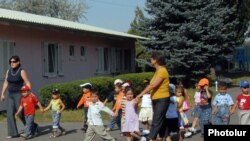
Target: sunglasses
column 245, row 87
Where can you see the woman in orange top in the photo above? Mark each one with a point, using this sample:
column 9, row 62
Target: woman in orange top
column 85, row 100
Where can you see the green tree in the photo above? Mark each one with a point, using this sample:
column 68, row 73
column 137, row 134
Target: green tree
column 72, row 10
column 194, row 34
column 141, row 54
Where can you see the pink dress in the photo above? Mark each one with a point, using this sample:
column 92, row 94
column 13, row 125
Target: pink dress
column 131, row 122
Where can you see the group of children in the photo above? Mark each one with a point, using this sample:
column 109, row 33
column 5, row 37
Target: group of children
column 125, row 105
column 217, row 111
column 28, row 106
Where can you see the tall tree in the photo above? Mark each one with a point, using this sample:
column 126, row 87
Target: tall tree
column 141, row 54
column 193, row 34
column 72, row 10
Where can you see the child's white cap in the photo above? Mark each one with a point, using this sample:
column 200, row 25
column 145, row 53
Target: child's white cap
column 86, row 85
column 118, row 81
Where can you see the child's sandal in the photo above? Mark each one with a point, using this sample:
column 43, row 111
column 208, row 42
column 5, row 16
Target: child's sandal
column 52, row 136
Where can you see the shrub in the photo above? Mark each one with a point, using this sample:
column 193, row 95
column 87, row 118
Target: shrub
column 71, row 92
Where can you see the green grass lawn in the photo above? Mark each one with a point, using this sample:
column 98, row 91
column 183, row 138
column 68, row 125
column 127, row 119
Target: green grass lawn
column 67, row 116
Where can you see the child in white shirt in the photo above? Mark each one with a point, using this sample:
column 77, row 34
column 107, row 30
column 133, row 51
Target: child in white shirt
column 146, row 112
column 95, row 124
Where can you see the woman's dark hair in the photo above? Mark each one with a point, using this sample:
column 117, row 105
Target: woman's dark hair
column 16, row 58
column 159, row 57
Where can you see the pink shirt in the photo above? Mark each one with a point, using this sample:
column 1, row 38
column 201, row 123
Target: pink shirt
column 197, row 98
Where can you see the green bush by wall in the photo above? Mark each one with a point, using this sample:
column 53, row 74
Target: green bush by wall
column 71, row 92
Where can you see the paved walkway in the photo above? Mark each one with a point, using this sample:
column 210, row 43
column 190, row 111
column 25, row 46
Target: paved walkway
column 74, row 134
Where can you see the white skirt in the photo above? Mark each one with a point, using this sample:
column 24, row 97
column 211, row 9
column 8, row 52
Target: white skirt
column 146, row 114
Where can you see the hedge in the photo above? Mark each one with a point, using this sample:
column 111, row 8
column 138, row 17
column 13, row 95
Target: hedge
column 71, row 92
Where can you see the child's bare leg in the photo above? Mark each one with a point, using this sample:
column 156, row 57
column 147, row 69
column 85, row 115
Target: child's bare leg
column 135, row 135
column 159, row 139
column 194, row 124
column 180, row 137
column 168, row 138
column 145, row 124
column 128, row 136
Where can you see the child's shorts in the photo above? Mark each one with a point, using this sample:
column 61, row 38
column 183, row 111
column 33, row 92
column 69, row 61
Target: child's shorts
column 195, row 111
column 146, row 114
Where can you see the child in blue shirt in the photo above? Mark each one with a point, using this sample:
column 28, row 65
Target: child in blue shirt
column 222, row 105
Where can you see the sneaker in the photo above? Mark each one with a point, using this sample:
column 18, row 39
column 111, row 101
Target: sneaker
column 145, row 132
column 23, row 135
column 187, row 134
column 28, row 137
column 108, row 129
column 191, row 129
column 36, row 131
column 63, row 132
column 52, row 136
column 143, row 139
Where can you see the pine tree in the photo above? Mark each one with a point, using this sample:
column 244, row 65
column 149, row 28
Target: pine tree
column 194, row 34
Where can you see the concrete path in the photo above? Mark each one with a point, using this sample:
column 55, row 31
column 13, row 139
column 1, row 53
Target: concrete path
column 75, row 134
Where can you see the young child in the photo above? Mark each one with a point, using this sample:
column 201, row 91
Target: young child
column 183, row 120
column 112, row 96
column 57, row 107
column 95, row 124
column 85, row 100
column 195, row 111
column 117, row 108
column 28, row 104
column 222, row 105
column 243, row 104
column 172, row 115
column 205, row 110
column 130, row 121
column 146, row 112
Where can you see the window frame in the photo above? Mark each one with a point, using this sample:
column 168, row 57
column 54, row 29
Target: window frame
column 83, row 57
column 5, row 53
column 72, row 57
column 58, row 60
column 115, row 60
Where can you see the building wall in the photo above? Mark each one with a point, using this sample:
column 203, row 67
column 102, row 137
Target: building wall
column 28, row 45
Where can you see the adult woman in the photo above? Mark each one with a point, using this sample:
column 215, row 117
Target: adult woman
column 15, row 78
column 159, row 90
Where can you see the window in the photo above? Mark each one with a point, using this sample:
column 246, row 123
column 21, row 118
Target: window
column 52, row 60
column 82, row 53
column 71, row 51
column 127, row 60
column 114, row 60
column 6, row 51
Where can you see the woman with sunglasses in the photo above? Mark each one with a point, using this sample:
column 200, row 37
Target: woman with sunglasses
column 15, row 78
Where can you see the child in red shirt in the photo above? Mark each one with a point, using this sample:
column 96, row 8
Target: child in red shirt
column 28, row 104
column 85, row 100
column 243, row 104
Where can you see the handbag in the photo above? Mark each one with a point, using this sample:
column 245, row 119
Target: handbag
column 185, row 107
